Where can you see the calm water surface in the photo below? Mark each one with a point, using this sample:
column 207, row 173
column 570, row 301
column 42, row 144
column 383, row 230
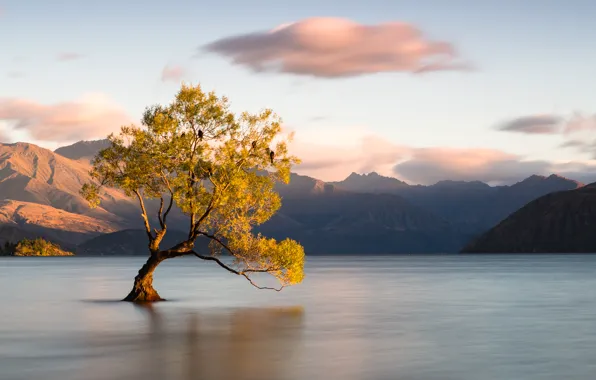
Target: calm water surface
column 409, row 317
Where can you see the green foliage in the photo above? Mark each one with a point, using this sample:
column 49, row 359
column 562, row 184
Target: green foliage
column 218, row 167
column 34, row 247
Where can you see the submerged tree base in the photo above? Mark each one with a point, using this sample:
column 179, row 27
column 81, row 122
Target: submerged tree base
column 143, row 295
column 142, row 290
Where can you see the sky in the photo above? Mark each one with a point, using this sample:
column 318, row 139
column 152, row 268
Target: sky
column 421, row 90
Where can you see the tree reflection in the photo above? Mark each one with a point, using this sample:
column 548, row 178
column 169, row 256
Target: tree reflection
column 240, row 344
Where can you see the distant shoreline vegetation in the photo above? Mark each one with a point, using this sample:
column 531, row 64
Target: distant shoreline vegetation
column 33, row 247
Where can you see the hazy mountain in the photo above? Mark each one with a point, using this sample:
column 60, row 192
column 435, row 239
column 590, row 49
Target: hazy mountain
column 370, row 183
column 362, row 214
column 561, row 222
column 347, row 222
column 460, row 185
column 83, row 150
column 302, row 185
column 131, row 242
column 472, row 207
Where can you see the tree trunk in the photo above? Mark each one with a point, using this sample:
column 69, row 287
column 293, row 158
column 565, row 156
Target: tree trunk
column 143, row 290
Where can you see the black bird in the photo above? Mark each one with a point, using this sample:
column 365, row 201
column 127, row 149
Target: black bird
column 271, row 156
column 200, row 135
column 254, row 145
column 183, row 134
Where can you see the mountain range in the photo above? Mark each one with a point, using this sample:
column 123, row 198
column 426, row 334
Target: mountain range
column 471, row 207
column 365, row 213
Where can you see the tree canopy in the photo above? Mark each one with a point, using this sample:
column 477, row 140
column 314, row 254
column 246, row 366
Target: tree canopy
column 219, row 168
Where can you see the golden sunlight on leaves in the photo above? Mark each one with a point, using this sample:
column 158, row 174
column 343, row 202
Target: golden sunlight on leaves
column 216, row 167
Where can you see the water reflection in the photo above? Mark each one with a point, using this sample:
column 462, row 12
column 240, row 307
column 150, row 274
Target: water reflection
column 239, row 344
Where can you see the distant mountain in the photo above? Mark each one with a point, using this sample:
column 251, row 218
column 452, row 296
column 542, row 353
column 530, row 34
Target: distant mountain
column 130, row 242
column 83, row 150
column 370, row 183
column 325, row 222
column 471, row 207
column 363, row 214
column 29, row 173
column 560, row 222
column 301, row 185
column 13, row 233
column 40, row 193
column 460, row 185
column 347, row 222
column 24, row 219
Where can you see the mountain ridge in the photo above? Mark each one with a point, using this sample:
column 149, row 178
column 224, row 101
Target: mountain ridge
column 385, row 215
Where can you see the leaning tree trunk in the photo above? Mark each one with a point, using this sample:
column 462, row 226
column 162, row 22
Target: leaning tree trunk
column 143, row 290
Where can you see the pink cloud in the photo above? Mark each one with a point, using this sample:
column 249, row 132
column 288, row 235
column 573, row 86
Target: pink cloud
column 94, row 116
column 579, row 123
column 336, row 47
column 172, row 73
column 365, row 153
column 69, row 56
column 430, row 165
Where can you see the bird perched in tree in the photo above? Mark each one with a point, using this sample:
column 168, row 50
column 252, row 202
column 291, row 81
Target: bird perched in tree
column 200, row 135
column 183, row 134
column 254, row 145
column 272, row 156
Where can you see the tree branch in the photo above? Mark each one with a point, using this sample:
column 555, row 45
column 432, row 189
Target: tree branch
column 159, row 213
column 144, row 215
column 165, row 215
column 213, row 237
column 194, row 231
column 167, row 183
column 241, row 273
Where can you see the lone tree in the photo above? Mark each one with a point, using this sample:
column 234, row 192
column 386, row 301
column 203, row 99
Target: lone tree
column 218, row 169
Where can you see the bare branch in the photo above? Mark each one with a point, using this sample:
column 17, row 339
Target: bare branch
column 194, row 231
column 167, row 183
column 213, row 237
column 165, row 215
column 159, row 213
column 144, row 215
column 232, row 270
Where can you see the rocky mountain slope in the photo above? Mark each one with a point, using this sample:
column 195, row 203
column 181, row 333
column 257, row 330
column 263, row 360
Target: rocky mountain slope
column 560, row 222
column 40, row 194
column 25, row 219
column 29, row 173
column 83, row 150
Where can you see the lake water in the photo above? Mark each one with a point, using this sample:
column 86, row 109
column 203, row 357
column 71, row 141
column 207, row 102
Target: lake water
column 408, row 317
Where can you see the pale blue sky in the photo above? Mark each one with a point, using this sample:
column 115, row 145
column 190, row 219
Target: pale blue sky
column 531, row 57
